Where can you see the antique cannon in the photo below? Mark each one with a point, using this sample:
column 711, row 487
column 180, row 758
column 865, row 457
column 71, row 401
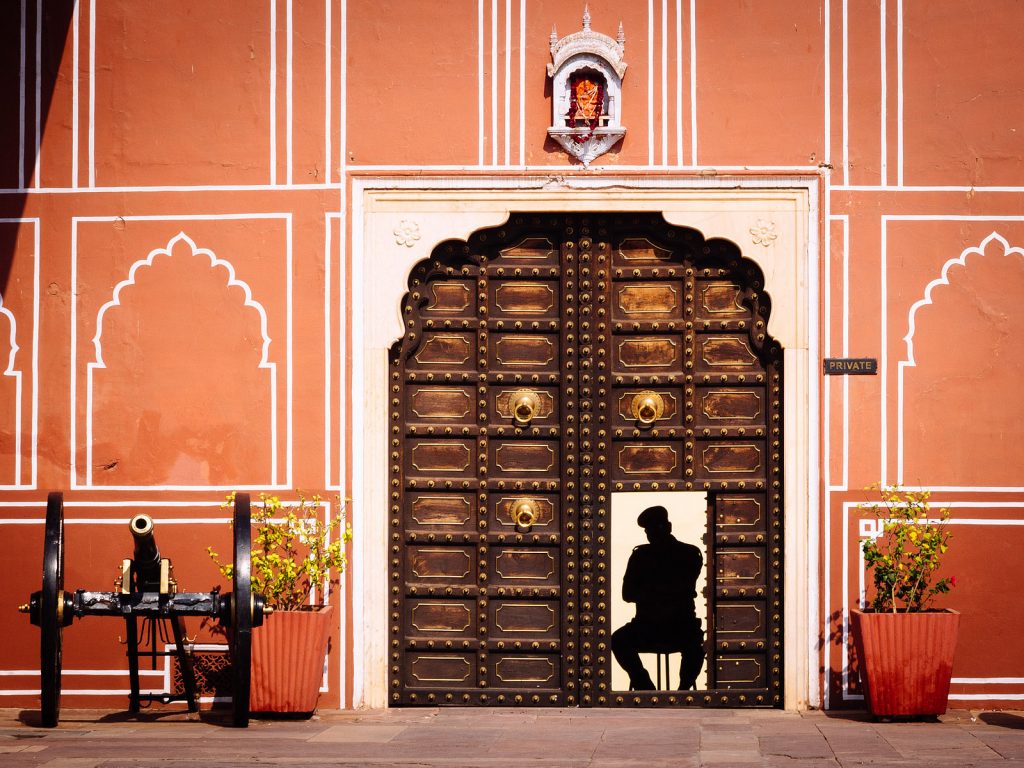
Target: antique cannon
column 146, row 590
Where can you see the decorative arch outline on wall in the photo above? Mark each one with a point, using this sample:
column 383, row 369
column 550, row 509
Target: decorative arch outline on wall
column 13, row 325
column 927, row 300
column 12, row 372
column 232, row 282
column 943, row 279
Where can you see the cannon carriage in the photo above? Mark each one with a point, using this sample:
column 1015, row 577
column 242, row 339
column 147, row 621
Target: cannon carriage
column 147, row 591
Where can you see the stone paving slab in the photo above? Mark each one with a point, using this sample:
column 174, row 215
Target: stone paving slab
column 796, row 747
column 499, row 738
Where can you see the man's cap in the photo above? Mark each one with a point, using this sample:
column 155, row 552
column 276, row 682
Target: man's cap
column 652, row 516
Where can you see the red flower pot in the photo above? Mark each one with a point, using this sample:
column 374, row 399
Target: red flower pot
column 288, row 654
column 905, row 660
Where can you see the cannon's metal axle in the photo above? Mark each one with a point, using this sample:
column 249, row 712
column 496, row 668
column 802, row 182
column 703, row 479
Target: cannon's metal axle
column 147, row 591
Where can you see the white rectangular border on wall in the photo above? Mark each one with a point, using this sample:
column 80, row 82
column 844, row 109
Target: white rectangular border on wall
column 898, row 130
column 504, row 16
column 271, row 85
column 334, row 466
column 884, row 363
column 288, row 266
column 843, row 484
column 33, row 435
column 23, row 89
column 861, row 572
column 161, row 676
column 83, row 109
column 828, row 486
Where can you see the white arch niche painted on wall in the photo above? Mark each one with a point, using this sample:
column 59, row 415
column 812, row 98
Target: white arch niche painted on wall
column 943, row 280
column 232, row 281
column 396, row 222
column 11, row 372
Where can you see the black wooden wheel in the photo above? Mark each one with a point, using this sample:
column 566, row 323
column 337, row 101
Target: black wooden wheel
column 51, row 611
column 241, row 612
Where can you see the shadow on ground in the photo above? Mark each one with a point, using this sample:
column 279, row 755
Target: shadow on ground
column 1002, row 719
column 848, row 715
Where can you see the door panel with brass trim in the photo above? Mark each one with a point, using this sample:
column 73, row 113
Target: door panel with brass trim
column 646, row 355
column 436, row 456
column 720, row 300
column 719, row 407
column 741, row 513
column 445, row 351
column 520, row 671
column 519, row 300
column 524, row 620
column 518, row 352
column 648, row 459
column 446, row 618
column 524, row 567
column 434, row 564
column 641, row 301
column 548, row 363
column 438, row 514
column 724, row 354
column 432, row 404
column 448, row 670
column 483, row 482
column 523, row 458
column 449, row 298
column 741, row 672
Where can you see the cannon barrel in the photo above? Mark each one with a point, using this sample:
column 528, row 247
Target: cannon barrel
column 146, row 558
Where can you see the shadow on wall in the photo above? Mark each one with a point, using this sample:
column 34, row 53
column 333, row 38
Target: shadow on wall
column 845, row 678
column 45, row 41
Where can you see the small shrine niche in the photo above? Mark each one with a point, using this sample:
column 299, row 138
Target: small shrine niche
column 586, row 70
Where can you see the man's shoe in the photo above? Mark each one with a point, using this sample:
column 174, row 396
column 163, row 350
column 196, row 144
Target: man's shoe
column 642, row 684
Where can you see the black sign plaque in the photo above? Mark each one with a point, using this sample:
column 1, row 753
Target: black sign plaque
column 850, row 366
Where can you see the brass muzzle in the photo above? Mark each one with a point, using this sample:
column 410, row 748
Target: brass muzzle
column 141, row 525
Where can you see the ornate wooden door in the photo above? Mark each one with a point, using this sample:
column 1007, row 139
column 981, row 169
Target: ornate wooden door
column 548, row 364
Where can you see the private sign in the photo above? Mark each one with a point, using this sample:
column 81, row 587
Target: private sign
column 839, row 366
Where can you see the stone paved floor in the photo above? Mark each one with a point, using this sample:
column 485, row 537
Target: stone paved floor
column 491, row 738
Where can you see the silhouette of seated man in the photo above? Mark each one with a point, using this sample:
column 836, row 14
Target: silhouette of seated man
column 661, row 578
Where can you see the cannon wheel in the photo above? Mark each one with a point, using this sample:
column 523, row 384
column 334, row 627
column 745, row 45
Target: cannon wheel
column 51, row 622
column 241, row 606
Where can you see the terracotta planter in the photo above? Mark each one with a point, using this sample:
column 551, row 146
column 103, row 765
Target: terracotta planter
column 906, row 660
column 288, row 654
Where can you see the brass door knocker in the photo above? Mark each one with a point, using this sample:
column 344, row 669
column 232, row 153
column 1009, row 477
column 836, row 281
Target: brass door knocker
column 647, row 407
column 524, row 513
column 525, row 404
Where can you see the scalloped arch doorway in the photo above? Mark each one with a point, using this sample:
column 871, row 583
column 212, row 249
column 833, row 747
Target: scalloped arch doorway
column 401, row 223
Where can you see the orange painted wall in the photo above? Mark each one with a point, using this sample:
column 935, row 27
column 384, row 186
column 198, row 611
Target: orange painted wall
column 210, row 148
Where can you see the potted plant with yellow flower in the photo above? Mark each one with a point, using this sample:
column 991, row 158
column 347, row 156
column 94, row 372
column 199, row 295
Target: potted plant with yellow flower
column 298, row 554
column 904, row 645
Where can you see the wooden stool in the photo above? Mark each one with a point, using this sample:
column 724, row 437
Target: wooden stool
column 663, row 660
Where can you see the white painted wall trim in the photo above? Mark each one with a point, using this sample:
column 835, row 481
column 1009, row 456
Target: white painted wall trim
column 396, row 222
